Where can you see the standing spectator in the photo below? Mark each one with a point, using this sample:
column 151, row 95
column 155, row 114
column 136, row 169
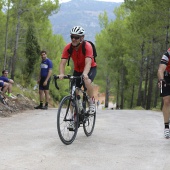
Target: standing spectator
column 44, row 80
column 7, row 88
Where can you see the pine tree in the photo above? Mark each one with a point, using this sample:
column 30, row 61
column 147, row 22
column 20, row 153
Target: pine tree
column 32, row 51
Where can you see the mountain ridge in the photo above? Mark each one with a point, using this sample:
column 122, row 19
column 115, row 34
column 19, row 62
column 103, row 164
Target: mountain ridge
column 81, row 12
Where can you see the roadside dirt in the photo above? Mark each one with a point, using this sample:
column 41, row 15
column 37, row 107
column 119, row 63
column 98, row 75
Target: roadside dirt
column 16, row 105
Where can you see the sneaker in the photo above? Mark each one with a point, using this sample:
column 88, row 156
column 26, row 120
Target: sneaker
column 45, row 107
column 92, row 108
column 3, row 100
column 39, row 107
column 166, row 133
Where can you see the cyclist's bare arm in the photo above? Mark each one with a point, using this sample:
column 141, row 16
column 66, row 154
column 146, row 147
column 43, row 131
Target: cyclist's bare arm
column 161, row 70
column 160, row 73
column 62, row 68
column 87, row 67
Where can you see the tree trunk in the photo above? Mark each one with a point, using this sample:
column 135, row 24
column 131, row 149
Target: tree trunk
column 139, row 101
column 146, row 84
column 107, row 92
column 156, row 96
column 14, row 58
column 150, row 87
column 131, row 103
column 117, row 95
column 122, row 88
column 167, row 37
column 6, row 36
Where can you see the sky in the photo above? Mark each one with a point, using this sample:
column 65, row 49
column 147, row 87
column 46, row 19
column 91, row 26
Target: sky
column 97, row 0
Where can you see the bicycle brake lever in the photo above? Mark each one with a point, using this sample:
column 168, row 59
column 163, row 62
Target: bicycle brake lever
column 55, row 81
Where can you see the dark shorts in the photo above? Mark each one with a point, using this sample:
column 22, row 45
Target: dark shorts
column 41, row 87
column 166, row 89
column 91, row 74
column 1, row 83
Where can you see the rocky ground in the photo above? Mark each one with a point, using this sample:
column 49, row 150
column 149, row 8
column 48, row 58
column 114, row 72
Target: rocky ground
column 15, row 105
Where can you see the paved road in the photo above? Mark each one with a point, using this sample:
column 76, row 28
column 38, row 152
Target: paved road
column 122, row 140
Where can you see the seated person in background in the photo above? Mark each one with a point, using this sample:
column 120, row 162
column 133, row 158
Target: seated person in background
column 8, row 81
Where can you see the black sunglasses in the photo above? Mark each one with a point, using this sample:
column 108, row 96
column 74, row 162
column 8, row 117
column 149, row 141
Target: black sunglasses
column 75, row 37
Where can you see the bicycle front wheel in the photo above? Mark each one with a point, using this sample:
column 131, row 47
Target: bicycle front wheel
column 67, row 120
column 89, row 120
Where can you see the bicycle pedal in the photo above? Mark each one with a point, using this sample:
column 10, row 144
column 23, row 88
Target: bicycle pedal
column 71, row 129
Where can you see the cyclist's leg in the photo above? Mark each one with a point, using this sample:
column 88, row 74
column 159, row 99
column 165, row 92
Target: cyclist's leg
column 166, row 108
column 166, row 115
column 89, row 86
column 88, row 82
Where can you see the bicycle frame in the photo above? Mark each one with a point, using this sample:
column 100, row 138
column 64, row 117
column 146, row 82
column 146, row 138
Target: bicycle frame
column 72, row 95
column 75, row 91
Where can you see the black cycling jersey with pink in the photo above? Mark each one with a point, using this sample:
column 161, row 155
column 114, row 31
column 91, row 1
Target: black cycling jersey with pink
column 166, row 59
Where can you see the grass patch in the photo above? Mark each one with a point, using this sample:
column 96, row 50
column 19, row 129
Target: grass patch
column 138, row 108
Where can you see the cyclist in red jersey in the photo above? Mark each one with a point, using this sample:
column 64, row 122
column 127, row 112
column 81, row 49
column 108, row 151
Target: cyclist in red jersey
column 83, row 64
column 164, row 85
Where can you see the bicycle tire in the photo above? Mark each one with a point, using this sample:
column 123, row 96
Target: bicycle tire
column 89, row 120
column 67, row 124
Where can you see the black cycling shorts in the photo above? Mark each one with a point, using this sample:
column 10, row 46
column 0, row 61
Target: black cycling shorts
column 91, row 75
column 41, row 87
column 166, row 89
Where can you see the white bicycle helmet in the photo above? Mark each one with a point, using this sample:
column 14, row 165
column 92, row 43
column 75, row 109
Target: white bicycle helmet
column 77, row 30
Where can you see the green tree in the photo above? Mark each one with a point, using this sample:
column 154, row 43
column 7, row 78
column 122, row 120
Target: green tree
column 22, row 9
column 2, row 33
column 32, row 52
column 104, row 72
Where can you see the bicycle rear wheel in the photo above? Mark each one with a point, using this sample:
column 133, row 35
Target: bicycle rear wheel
column 67, row 120
column 89, row 120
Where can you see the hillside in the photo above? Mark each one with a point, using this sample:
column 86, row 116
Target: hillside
column 81, row 12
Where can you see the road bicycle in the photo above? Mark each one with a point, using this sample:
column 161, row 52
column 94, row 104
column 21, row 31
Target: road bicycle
column 74, row 112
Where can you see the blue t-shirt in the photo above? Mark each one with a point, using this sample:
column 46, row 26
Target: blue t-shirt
column 46, row 65
column 5, row 79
